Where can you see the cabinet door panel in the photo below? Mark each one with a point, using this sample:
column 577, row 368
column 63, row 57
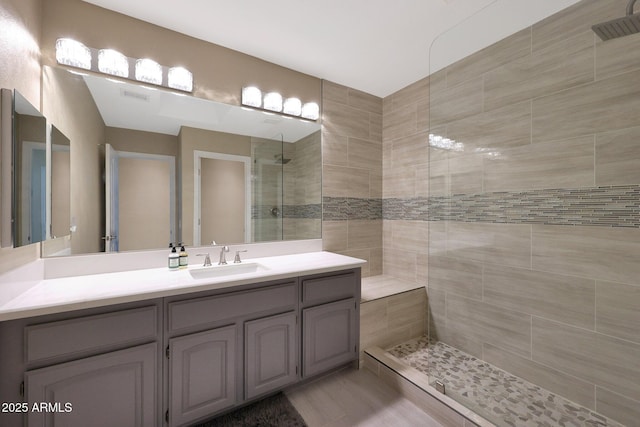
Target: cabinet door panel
column 118, row 388
column 202, row 374
column 271, row 355
column 330, row 335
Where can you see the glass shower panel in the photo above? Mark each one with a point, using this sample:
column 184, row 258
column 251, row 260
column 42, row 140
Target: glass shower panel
column 530, row 191
column 268, row 160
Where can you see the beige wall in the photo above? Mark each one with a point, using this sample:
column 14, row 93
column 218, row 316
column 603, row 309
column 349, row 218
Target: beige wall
column 535, row 266
column 352, row 175
column 60, row 183
column 60, row 200
column 189, row 140
column 20, row 69
column 20, row 34
column 219, row 73
column 142, row 142
column 67, row 103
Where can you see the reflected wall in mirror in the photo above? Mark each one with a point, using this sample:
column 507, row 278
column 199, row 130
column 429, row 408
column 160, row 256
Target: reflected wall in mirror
column 159, row 127
column 60, row 183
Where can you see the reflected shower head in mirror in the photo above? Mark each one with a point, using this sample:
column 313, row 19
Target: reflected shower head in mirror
column 280, row 160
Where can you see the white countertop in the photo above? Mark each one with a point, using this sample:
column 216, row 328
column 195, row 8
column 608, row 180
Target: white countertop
column 38, row 297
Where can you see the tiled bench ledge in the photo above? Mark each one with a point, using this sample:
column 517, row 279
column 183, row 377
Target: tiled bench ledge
column 392, row 311
column 376, row 287
column 414, row 385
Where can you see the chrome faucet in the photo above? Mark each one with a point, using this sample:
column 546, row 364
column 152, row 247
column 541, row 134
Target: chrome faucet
column 223, row 259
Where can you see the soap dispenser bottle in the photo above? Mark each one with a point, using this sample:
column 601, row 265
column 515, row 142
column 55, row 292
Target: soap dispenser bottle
column 174, row 258
column 184, row 257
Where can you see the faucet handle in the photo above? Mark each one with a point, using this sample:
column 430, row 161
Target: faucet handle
column 207, row 260
column 223, row 259
column 237, row 259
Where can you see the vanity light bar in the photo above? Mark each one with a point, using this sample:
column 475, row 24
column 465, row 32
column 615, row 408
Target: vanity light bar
column 273, row 102
column 74, row 54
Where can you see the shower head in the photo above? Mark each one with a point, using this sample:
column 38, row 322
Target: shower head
column 280, row 160
column 620, row 27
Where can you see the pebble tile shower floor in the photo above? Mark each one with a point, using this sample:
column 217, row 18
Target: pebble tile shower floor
column 498, row 396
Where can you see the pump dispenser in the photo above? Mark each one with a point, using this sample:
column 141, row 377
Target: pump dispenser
column 184, row 257
column 174, row 258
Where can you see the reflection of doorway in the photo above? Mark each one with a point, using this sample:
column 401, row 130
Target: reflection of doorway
column 33, row 197
column 222, row 198
column 141, row 207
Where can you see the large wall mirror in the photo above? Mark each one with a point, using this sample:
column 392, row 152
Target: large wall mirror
column 147, row 167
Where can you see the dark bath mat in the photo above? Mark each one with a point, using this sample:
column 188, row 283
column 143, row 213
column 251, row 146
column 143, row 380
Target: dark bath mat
column 274, row 411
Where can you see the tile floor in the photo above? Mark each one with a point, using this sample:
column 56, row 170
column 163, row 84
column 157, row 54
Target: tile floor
column 497, row 395
column 351, row 397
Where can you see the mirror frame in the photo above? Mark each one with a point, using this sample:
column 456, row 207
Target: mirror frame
column 6, row 168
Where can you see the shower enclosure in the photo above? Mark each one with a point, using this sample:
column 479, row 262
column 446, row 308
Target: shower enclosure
column 534, row 221
column 267, row 175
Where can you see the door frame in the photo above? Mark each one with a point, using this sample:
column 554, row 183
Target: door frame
column 117, row 154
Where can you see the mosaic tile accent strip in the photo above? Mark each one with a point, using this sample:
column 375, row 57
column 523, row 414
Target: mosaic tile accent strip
column 497, row 395
column 310, row 211
column 613, row 206
column 345, row 208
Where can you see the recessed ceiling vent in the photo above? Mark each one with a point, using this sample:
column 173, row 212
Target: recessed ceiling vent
column 135, row 95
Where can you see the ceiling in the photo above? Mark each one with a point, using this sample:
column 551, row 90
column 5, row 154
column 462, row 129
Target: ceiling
column 377, row 46
column 132, row 106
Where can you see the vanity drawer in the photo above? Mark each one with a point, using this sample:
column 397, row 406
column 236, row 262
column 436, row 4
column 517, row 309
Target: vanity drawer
column 318, row 290
column 207, row 311
column 90, row 334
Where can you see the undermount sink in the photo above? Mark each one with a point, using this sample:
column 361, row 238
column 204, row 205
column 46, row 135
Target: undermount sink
column 226, row 270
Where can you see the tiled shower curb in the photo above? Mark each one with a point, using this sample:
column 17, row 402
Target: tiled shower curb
column 414, row 385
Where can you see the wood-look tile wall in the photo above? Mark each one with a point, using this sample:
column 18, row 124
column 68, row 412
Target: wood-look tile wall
column 352, row 173
column 547, row 109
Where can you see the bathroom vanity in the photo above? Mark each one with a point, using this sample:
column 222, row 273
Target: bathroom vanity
column 179, row 352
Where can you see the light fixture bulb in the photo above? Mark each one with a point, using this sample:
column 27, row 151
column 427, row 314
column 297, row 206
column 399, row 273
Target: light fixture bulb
column 180, row 78
column 251, row 96
column 292, row 106
column 148, row 71
column 113, row 62
column 73, row 53
column 311, row 111
column 273, row 102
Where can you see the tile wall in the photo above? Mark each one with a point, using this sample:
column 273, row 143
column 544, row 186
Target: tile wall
column 302, row 210
column 352, row 175
column 533, row 219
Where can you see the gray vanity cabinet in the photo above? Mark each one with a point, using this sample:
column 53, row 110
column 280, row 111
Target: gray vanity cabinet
column 271, row 356
column 225, row 348
column 202, row 374
column 178, row 360
column 114, row 389
column 95, row 367
column 330, row 321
